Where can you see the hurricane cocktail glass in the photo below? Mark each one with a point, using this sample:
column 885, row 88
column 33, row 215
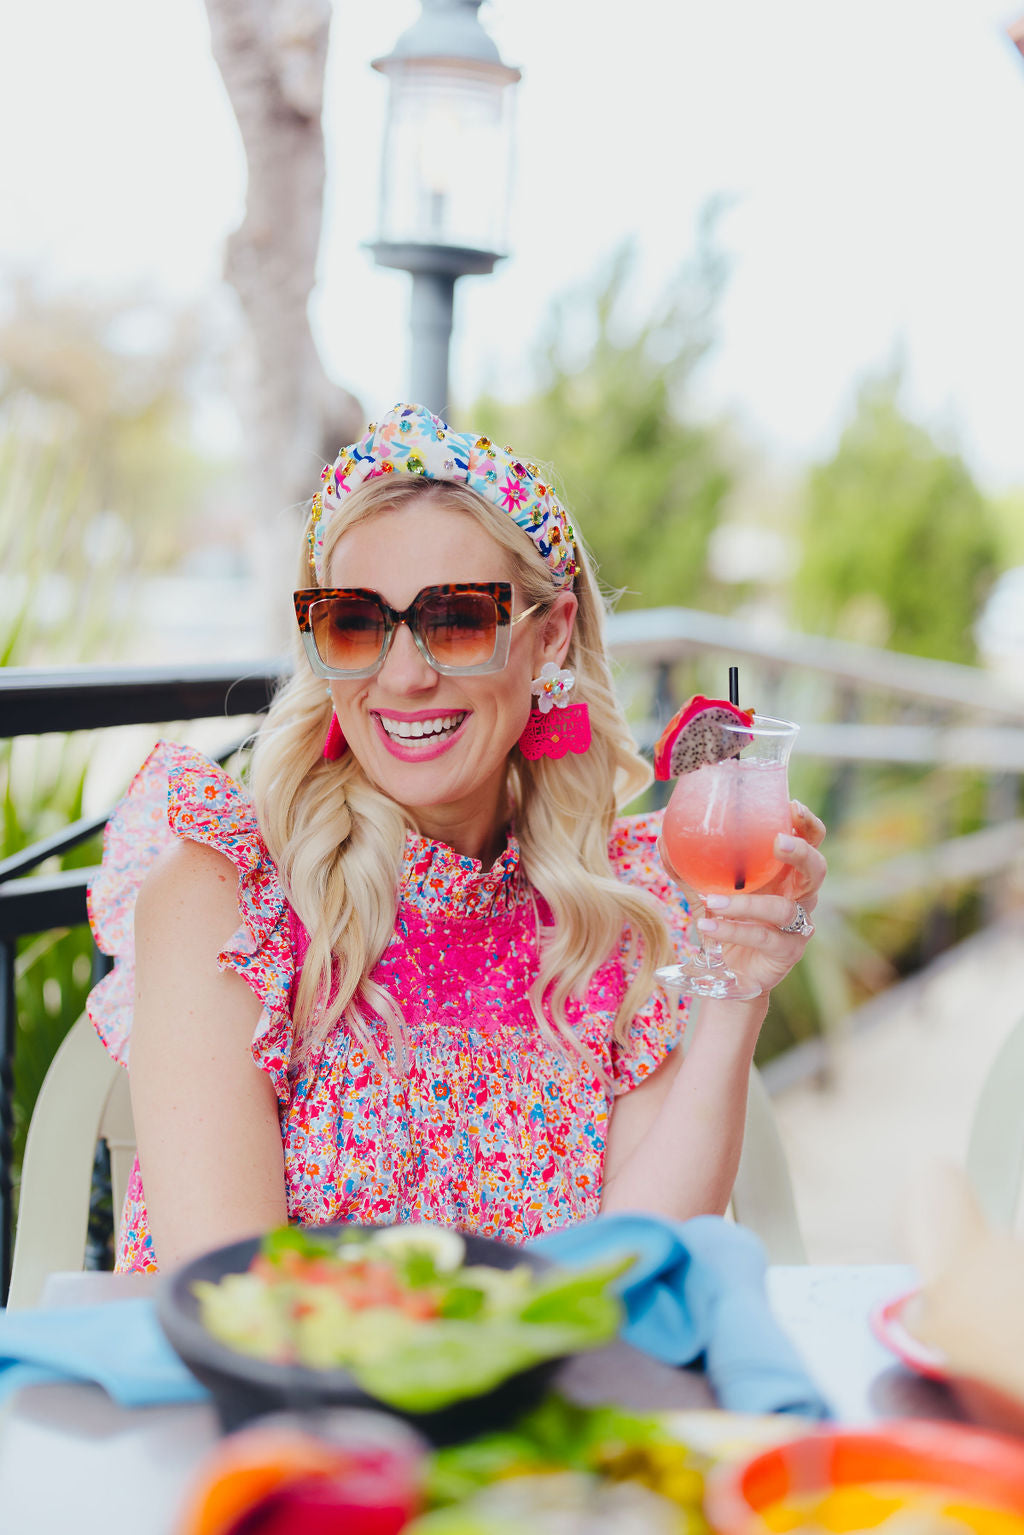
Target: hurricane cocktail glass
column 719, row 833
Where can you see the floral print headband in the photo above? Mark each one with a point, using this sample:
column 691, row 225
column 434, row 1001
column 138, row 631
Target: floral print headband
column 410, row 439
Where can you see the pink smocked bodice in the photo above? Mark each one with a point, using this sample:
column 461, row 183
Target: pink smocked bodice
column 487, row 1125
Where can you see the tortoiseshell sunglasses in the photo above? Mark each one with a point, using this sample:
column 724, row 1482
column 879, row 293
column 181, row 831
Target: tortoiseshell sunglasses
column 459, row 629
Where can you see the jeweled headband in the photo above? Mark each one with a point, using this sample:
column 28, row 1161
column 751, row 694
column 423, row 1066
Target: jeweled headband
column 411, row 440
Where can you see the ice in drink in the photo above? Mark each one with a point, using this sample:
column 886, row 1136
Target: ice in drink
column 721, row 823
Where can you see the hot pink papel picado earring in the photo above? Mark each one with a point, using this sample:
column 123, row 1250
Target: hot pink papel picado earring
column 335, row 745
column 555, row 725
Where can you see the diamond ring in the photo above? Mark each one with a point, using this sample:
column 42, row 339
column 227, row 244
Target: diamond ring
column 801, row 924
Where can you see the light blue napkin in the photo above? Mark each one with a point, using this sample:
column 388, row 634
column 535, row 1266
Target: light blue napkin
column 697, row 1288
column 118, row 1346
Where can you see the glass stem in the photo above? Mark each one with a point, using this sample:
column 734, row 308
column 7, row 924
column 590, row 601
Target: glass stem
column 710, row 954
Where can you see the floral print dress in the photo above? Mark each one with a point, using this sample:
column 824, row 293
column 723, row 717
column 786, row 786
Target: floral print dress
column 488, row 1126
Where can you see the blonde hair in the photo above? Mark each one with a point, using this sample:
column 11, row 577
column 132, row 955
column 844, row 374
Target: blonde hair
column 338, row 842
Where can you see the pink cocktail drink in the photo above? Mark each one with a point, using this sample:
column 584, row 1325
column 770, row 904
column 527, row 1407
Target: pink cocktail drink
column 721, row 823
column 730, row 802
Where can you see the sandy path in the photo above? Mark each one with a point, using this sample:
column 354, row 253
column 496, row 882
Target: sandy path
column 905, row 1079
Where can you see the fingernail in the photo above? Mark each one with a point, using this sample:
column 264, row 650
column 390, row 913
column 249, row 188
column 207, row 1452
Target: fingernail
column 717, row 902
column 802, row 810
column 785, row 844
column 707, row 924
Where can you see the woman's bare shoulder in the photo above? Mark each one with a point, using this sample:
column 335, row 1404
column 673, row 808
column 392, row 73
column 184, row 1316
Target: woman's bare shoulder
column 192, row 885
column 187, row 914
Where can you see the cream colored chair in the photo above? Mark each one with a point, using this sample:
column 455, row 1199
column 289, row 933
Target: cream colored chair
column 995, row 1150
column 84, row 1097
column 762, row 1197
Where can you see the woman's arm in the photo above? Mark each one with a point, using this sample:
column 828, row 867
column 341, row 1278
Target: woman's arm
column 674, row 1142
column 206, row 1119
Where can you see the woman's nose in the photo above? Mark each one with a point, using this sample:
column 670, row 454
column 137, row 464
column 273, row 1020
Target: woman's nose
column 404, row 669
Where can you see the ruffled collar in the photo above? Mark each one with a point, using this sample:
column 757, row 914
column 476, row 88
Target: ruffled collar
column 438, row 881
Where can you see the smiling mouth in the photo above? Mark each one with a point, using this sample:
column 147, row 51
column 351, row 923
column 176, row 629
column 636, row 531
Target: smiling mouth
column 430, row 731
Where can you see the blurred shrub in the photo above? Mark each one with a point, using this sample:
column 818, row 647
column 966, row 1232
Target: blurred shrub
column 56, row 597
column 98, row 478
column 1008, row 510
column 899, row 545
column 612, row 417
column 41, row 780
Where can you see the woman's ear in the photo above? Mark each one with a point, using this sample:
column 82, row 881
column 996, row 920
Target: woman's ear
column 555, row 633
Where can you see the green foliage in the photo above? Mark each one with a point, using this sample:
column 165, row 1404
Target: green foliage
column 41, row 782
column 58, row 600
column 1008, row 510
column 97, row 478
column 899, row 545
column 613, row 418
column 59, row 605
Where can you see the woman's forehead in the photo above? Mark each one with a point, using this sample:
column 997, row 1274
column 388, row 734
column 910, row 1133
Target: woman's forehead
column 400, row 550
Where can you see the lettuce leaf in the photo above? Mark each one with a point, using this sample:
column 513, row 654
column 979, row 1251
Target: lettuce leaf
column 296, row 1239
column 444, row 1361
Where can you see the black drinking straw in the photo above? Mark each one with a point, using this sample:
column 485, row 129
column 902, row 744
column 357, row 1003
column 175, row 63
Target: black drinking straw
column 740, row 878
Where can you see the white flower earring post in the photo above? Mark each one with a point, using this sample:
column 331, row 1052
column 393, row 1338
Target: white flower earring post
column 555, row 726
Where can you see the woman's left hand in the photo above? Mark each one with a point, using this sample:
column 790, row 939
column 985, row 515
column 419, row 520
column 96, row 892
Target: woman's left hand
column 752, row 928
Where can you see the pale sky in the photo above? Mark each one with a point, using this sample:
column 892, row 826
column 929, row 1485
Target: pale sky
column 874, row 152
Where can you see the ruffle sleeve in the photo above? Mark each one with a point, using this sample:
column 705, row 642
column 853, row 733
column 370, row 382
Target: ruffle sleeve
column 658, row 1025
column 180, row 794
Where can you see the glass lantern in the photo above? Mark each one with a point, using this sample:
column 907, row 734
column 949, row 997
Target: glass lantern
column 446, row 163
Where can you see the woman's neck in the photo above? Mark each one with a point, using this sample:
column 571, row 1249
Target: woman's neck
column 479, row 831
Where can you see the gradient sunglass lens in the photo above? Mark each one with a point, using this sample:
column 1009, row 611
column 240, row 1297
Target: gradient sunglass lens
column 348, row 632
column 459, row 628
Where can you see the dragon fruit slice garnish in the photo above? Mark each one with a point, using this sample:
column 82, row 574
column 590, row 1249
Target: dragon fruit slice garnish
column 695, row 736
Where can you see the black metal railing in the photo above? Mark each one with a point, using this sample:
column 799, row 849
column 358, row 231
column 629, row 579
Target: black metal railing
column 34, row 702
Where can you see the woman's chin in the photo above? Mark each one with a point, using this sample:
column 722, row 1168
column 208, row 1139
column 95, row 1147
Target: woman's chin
column 416, row 784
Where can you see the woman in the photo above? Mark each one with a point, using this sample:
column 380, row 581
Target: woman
column 441, row 1001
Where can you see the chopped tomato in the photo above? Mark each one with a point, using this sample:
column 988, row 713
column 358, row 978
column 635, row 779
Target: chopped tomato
column 421, row 1305
column 319, row 1271
column 361, row 1284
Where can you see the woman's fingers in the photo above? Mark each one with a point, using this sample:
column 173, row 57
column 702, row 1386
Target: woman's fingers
column 807, row 823
column 771, row 940
column 777, row 911
column 807, row 862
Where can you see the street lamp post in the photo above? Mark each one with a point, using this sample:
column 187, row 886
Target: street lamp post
column 445, row 173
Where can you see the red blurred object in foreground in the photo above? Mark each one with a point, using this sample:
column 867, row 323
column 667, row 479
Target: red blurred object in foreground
column 1015, row 32
column 315, row 1474
column 359, row 1500
column 946, row 1456
column 889, row 1327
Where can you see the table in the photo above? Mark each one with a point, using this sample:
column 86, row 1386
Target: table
column 70, row 1460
